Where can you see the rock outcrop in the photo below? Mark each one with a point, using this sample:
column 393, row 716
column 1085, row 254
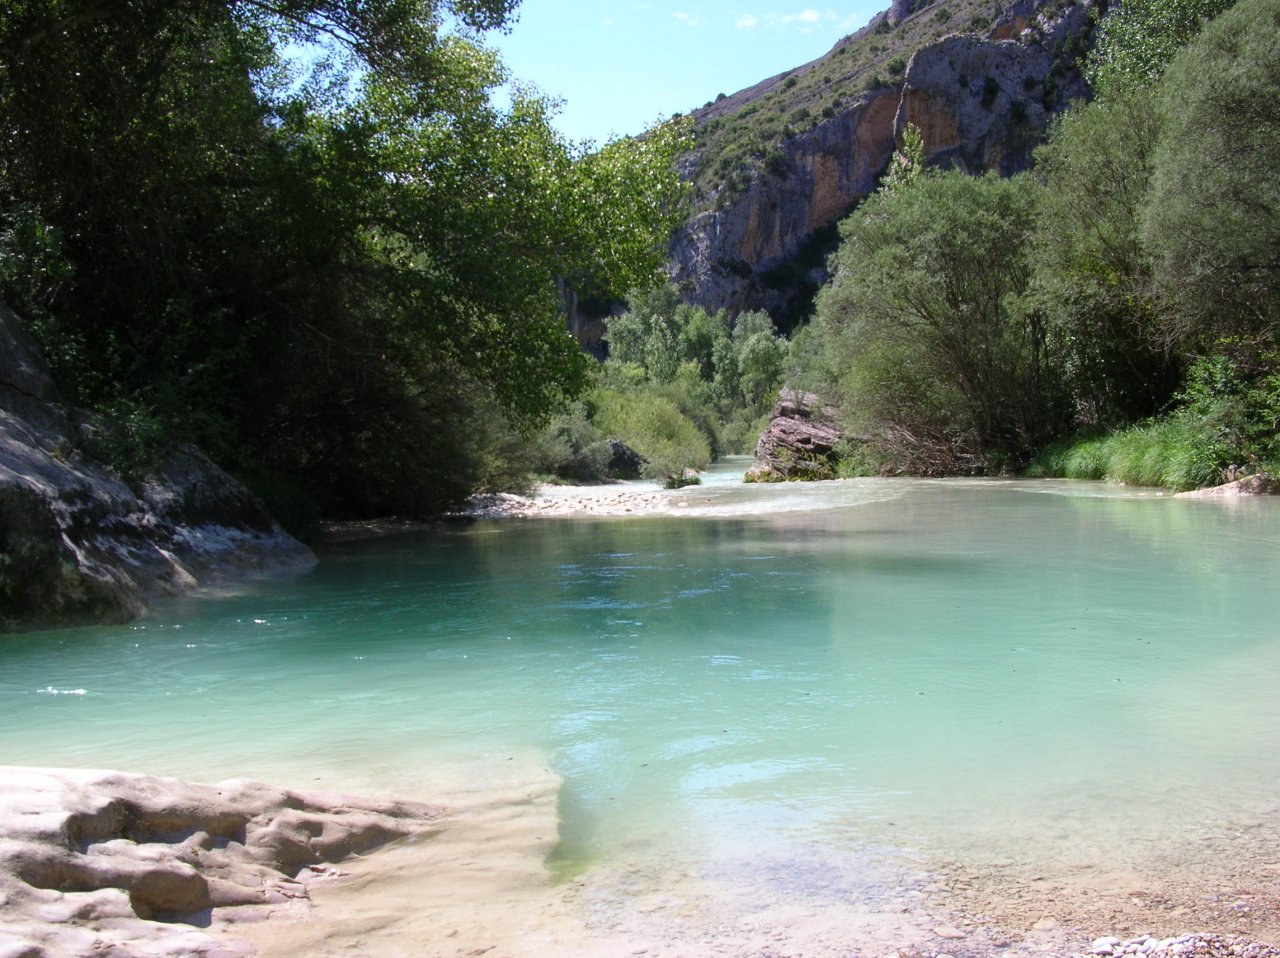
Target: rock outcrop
column 799, row 442
column 983, row 103
column 723, row 255
column 1259, row 484
column 78, row 545
column 121, row 865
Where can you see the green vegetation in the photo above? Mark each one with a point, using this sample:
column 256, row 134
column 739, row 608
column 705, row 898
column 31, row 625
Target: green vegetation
column 1139, row 38
column 927, row 337
column 326, row 276
column 1116, row 315
column 681, row 387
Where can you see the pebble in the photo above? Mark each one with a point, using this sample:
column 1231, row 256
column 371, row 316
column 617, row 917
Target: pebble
column 1190, row 946
column 948, row 932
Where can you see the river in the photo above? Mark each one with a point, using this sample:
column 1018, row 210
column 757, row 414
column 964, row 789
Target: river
column 897, row 696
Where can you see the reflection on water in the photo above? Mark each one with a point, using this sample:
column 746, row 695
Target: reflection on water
column 1046, row 669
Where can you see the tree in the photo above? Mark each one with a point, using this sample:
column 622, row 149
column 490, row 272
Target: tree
column 941, row 363
column 759, row 355
column 322, row 281
column 1138, row 38
column 1211, row 219
column 907, row 164
column 1092, row 275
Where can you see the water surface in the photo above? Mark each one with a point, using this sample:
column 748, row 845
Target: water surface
column 1052, row 671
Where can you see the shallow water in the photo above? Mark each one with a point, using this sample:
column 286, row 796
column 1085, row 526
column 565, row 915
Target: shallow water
column 1055, row 672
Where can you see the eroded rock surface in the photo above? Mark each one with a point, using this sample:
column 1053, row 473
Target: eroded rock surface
column 1259, row 484
column 982, row 103
column 121, row 865
column 799, row 442
column 79, row 545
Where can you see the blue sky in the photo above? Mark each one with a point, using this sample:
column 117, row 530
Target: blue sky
column 619, row 67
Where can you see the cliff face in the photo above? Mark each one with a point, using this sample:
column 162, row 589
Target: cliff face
column 722, row 255
column 78, row 545
column 985, row 104
column 981, row 102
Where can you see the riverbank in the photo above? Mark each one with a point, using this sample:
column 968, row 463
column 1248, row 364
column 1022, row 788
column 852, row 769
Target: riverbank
column 470, row 879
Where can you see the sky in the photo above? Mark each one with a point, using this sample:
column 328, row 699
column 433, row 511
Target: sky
column 621, row 67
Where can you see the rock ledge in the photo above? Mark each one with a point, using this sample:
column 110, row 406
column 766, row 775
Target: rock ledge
column 120, row 865
column 78, row 545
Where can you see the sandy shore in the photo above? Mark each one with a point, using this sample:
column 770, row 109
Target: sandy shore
column 482, row 887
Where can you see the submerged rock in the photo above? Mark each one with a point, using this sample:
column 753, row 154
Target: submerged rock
column 1259, row 484
column 78, row 545
column 799, row 442
column 109, row 863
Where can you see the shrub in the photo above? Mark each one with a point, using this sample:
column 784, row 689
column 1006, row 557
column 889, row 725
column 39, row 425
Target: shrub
column 655, row 428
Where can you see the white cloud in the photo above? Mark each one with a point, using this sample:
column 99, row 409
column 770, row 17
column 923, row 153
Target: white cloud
column 747, row 22
column 688, row 19
column 805, row 20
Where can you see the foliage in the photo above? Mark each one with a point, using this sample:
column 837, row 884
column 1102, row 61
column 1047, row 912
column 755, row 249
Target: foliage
column 930, row 342
column 1211, row 220
column 718, row 371
column 319, row 277
column 1092, row 276
column 907, row 164
column 1129, row 303
column 1138, row 38
column 655, row 428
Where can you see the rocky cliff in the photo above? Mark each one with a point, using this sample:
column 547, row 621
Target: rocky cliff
column 983, row 101
column 77, row 544
column 800, row 441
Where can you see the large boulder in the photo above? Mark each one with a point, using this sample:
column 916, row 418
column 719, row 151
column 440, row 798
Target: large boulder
column 1258, row 484
column 123, row 865
column 78, row 544
column 799, row 442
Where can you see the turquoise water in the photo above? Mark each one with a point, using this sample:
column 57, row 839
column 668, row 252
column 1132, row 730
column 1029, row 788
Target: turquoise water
column 1053, row 670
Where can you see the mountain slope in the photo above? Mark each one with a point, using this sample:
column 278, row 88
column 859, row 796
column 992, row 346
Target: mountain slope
column 778, row 164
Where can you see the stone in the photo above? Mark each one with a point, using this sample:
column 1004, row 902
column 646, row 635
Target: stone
column 78, row 545
column 950, row 933
column 624, row 462
column 1258, row 484
column 800, row 441
column 134, row 865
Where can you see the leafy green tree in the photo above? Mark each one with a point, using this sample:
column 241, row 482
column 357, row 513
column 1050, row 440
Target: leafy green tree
column 907, row 164
column 1211, row 219
column 322, row 281
column 759, row 355
column 654, row 426
column 1092, row 276
column 942, row 365
column 1138, row 38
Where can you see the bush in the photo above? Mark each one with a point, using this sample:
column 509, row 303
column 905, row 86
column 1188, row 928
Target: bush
column 924, row 333
column 655, row 428
column 1211, row 220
